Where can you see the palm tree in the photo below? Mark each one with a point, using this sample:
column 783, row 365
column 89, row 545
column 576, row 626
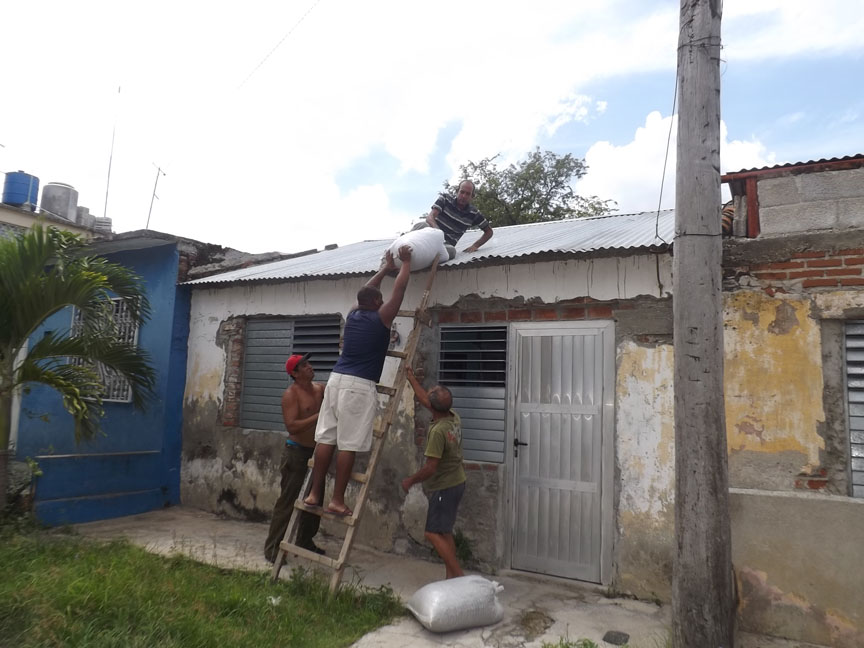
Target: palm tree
column 41, row 272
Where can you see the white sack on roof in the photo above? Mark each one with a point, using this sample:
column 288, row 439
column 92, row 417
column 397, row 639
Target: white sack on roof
column 425, row 244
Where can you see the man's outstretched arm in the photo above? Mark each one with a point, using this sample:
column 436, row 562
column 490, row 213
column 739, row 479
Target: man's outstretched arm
column 419, row 392
column 388, row 265
column 388, row 310
column 487, row 234
column 430, row 217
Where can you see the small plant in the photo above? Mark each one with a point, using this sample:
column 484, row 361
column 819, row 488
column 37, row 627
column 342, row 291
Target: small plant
column 33, row 465
column 564, row 642
column 464, row 552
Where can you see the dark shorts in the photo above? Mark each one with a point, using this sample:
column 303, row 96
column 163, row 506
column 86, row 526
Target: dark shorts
column 443, row 505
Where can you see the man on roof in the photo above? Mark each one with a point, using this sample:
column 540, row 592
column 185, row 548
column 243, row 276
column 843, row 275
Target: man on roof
column 454, row 216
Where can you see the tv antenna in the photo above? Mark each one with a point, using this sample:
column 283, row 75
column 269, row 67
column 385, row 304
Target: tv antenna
column 159, row 172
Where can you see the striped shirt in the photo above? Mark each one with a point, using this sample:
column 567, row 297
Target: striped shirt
column 453, row 220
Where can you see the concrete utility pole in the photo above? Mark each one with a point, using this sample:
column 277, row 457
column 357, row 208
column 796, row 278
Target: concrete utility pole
column 703, row 598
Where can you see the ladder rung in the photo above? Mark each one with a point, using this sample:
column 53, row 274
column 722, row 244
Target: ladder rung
column 384, row 389
column 380, row 432
column 350, row 520
column 406, row 313
column 356, row 476
column 397, row 354
column 287, row 547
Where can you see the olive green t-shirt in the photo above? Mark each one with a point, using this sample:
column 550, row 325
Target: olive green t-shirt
column 445, row 444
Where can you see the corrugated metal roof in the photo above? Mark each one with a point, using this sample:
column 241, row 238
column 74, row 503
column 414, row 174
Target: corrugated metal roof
column 574, row 236
column 789, row 165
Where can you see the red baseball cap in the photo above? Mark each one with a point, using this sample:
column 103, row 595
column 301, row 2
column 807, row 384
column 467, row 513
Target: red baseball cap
column 295, row 360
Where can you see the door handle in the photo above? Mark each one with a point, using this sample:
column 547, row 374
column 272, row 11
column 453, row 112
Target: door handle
column 516, row 444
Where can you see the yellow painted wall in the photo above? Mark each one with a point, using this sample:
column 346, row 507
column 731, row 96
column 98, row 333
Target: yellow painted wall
column 773, row 383
column 774, row 406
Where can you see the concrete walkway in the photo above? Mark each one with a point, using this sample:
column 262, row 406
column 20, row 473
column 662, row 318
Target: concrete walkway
column 537, row 609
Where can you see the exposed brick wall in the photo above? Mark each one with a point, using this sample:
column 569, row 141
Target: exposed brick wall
column 804, row 272
column 230, row 337
column 817, row 481
column 574, row 309
column 185, row 263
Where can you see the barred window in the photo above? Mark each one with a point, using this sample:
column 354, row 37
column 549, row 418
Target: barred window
column 116, row 387
column 268, row 344
column 472, row 363
column 855, row 394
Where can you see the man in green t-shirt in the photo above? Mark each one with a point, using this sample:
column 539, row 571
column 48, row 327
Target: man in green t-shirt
column 443, row 471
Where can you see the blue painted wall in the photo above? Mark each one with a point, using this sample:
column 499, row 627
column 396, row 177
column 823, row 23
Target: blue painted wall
column 135, row 465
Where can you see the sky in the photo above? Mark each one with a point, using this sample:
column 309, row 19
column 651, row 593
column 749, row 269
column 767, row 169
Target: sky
column 289, row 126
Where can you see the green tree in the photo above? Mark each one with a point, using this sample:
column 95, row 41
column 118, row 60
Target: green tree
column 41, row 272
column 533, row 190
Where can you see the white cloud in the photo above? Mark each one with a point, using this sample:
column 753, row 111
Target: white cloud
column 351, row 80
column 631, row 174
column 777, row 28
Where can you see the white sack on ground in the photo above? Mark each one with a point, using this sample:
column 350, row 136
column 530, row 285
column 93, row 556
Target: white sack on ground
column 457, row 603
column 425, row 244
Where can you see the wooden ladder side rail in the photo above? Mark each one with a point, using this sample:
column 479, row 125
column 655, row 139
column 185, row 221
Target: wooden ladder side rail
column 406, row 357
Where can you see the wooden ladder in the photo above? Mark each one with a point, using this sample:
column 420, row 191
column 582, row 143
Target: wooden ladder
column 406, row 358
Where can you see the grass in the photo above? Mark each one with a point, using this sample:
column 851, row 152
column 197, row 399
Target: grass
column 569, row 643
column 62, row 590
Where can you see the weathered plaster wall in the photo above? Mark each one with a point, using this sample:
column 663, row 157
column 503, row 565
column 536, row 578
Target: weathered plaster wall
column 234, row 471
column 773, row 384
column 645, row 448
column 786, row 304
column 798, row 562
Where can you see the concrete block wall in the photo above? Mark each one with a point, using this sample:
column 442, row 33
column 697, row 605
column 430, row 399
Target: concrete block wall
column 811, row 202
column 573, row 309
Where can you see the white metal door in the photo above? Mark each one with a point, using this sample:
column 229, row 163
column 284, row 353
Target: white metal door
column 560, row 378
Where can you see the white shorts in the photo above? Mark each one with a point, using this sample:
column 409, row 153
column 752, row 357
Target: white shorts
column 347, row 413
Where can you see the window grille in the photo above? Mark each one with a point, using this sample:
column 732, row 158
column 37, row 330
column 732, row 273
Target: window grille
column 115, row 387
column 855, row 394
column 268, row 344
column 472, row 363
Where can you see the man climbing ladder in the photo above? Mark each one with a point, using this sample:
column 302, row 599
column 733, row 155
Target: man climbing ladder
column 351, row 396
column 420, row 317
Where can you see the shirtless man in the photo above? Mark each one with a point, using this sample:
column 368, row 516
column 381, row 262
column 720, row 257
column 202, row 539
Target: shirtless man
column 300, row 405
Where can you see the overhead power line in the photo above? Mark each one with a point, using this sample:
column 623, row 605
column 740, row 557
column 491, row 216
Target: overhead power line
column 282, row 40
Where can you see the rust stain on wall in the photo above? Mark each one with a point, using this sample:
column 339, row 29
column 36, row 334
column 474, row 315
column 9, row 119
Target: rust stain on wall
column 773, row 375
column 765, row 607
column 203, row 385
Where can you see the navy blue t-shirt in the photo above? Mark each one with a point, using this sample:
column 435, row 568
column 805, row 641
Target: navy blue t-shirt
column 364, row 345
